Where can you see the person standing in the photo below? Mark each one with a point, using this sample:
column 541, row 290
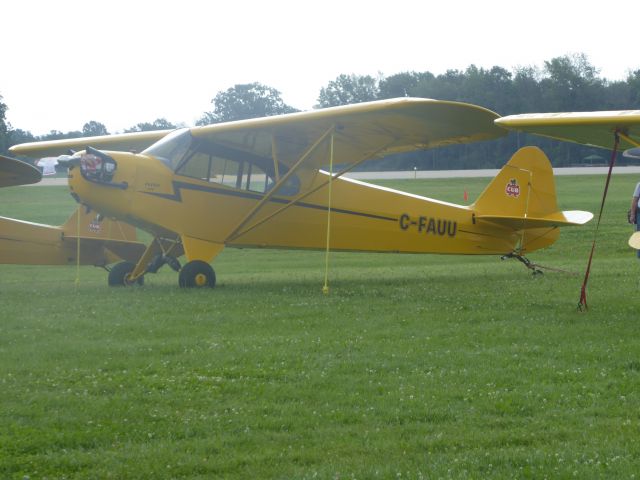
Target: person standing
column 634, row 211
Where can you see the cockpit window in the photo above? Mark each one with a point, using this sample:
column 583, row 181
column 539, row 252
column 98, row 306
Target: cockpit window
column 215, row 163
column 172, row 148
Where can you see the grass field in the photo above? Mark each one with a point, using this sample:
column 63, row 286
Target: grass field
column 413, row 367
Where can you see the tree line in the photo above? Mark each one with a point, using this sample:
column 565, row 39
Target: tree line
column 566, row 83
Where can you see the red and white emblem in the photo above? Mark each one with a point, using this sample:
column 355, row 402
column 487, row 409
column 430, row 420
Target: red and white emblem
column 513, row 189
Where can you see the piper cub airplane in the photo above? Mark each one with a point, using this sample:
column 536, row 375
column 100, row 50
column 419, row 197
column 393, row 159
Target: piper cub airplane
column 274, row 182
column 99, row 243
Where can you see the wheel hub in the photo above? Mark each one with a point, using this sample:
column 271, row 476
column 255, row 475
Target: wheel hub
column 200, row 280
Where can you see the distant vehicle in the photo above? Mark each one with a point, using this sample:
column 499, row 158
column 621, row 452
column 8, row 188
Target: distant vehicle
column 48, row 164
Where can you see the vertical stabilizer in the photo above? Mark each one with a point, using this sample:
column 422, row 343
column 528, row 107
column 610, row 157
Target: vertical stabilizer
column 91, row 226
column 523, row 188
column 522, row 198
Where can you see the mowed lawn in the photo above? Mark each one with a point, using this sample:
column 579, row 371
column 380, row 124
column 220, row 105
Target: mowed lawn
column 414, row 366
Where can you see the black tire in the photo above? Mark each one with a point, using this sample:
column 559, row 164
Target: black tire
column 197, row 274
column 119, row 273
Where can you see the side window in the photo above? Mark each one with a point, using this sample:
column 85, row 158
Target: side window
column 225, row 171
column 234, row 169
column 255, row 179
column 197, row 166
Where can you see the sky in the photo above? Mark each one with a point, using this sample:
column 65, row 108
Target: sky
column 67, row 62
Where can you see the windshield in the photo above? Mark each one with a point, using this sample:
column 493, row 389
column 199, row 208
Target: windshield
column 216, row 163
column 171, row 149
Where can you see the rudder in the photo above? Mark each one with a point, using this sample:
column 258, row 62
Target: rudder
column 523, row 188
column 522, row 198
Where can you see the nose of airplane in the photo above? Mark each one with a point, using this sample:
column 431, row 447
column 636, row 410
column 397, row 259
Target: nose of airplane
column 101, row 180
column 97, row 166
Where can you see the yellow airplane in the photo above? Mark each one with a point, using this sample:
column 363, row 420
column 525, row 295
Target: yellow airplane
column 596, row 129
column 278, row 182
column 100, row 243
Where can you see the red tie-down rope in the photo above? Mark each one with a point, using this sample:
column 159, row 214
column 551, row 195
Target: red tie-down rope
column 582, row 304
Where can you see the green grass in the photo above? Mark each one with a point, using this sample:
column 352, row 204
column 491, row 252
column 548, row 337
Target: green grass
column 413, row 367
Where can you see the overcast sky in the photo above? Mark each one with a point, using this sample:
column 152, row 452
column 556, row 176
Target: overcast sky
column 121, row 62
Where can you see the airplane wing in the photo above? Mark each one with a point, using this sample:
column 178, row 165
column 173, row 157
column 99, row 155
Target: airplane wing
column 589, row 128
column 136, row 141
column 361, row 131
column 15, row 172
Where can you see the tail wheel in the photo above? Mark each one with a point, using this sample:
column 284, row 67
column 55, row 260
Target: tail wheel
column 197, row 274
column 119, row 275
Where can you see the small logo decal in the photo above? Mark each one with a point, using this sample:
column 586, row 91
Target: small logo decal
column 95, row 226
column 513, row 189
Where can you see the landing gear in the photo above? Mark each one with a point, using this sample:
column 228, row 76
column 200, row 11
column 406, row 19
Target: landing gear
column 525, row 261
column 120, row 273
column 197, row 274
column 159, row 260
column 165, row 251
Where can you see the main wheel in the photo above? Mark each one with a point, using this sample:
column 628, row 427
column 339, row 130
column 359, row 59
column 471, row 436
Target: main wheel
column 119, row 275
column 197, row 274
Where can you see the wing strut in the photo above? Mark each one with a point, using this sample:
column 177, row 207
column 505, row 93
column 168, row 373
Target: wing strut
column 325, row 288
column 274, row 154
column 304, row 195
column 628, row 139
column 279, row 183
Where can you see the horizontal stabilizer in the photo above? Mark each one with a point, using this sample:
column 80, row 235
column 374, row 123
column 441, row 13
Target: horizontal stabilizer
column 557, row 219
column 98, row 251
column 100, row 242
column 632, row 153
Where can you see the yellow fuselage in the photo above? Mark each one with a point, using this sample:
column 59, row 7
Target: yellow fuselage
column 146, row 193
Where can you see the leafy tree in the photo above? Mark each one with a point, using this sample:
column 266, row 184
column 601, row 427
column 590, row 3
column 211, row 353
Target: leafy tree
column 58, row 135
column 447, row 86
column 94, row 129
column 19, row 136
column 4, row 141
column 526, row 90
column 157, row 124
column 348, row 89
column 402, row 84
column 633, row 80
column 492, row 88
column 242, row 101
column 571, row 83
column 620, row 96
column 568, row 83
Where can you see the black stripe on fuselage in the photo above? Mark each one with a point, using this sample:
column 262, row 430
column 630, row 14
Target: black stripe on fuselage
column 179, row 186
